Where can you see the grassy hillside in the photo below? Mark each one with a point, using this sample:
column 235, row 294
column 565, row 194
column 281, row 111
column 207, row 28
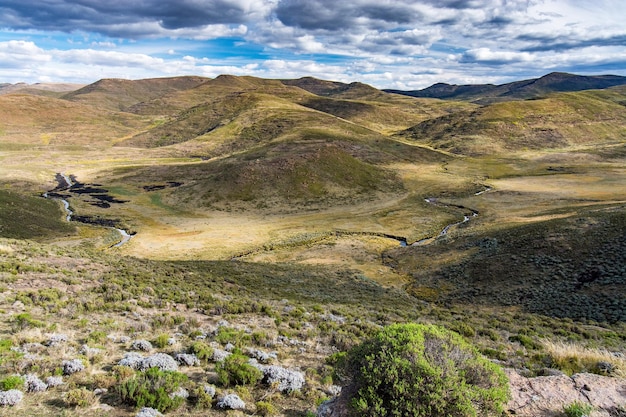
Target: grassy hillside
column 119, row 94
column 560, row 121
column 570, row 267
column 29, row 217
column 29, row 119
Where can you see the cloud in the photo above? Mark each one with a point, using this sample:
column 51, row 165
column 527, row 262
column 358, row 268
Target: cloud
column 22, row 54
column 128, row 18
column 386, row 42
column 487, row 56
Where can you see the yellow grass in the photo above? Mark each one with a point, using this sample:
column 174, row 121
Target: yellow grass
column 575, row 358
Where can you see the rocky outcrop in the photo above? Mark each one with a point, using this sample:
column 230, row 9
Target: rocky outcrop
column 545, row 396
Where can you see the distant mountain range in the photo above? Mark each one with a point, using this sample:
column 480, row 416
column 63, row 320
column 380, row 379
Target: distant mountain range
column 518, row 90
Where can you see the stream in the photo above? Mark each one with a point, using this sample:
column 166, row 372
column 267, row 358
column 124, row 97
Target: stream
column 65, row 183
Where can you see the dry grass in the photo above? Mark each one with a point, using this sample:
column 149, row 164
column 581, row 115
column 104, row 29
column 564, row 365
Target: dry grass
column 573, row 358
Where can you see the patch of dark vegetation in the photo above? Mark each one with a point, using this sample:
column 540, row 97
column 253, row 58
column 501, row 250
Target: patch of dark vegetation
column 566, row 268
column 157, row 187
column 95, row 220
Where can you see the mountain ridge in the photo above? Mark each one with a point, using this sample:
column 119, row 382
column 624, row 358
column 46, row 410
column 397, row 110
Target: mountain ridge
column 517, row 90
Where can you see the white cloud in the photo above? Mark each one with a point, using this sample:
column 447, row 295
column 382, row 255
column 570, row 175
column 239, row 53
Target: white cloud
column 485, row 55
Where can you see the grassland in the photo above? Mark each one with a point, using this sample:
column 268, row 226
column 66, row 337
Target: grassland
column 280, row 206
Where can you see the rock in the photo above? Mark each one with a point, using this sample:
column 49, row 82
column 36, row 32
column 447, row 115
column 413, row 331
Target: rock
column 601, row 391
column 545, row 396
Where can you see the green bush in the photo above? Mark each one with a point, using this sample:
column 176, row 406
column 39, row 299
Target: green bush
column 153, row 388
column 12, row 382
column 577, row 409
column 229, row 335
column 265, row 408
column 235, row 370
column 25, row 320
column 201, row 350
column 423, row 371
column 161, row 341
column 97, row 336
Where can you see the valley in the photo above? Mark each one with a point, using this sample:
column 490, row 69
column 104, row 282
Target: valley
column 276, row 204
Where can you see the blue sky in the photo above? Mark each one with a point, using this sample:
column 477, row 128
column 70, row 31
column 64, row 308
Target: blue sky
column 386, row 43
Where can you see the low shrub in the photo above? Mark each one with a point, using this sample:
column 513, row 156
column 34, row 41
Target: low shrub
column 422, row 371
column 231, row 402
column 201, row 350
column 161, row 341
column 80, row 397
column 72, row 366
column 10, row 397
column 34, row 384
column 142, row 345
column 12, row 382
column 283, row 379
column 265, row 409
column 153, row 388
column 25, row 320
column 161, row 361
column 235, row 370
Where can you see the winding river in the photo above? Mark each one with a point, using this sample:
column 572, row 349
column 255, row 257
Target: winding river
column 65, row 183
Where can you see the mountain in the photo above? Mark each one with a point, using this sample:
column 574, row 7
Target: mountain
column 52, row 89
column 519, row 90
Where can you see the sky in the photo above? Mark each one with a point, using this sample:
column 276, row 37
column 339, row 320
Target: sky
column 400, row 44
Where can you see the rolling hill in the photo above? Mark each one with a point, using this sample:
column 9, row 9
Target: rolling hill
column 561, row 120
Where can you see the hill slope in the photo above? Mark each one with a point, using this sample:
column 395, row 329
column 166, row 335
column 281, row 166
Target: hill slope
column 119, row 94
column 559, row 121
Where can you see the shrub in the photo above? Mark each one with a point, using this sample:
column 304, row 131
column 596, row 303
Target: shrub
column 34, row 384
column 142, row 345
column 132, row 360
column 80, row 397
column 25, row 320
column 161, row 361
column 54, row 381
column 10, row 397
column 153, row 388
column 187, row 359
column 232, row 402
column 97, row 336
column 72, row 366
column 283, row 379
column 235, row 370
column 11, row 382
column 577, row 409
column 201, row 350
column 202, row 397
column 148, row 412
column 265, row 408
column 161, row 341
column 423, row 370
